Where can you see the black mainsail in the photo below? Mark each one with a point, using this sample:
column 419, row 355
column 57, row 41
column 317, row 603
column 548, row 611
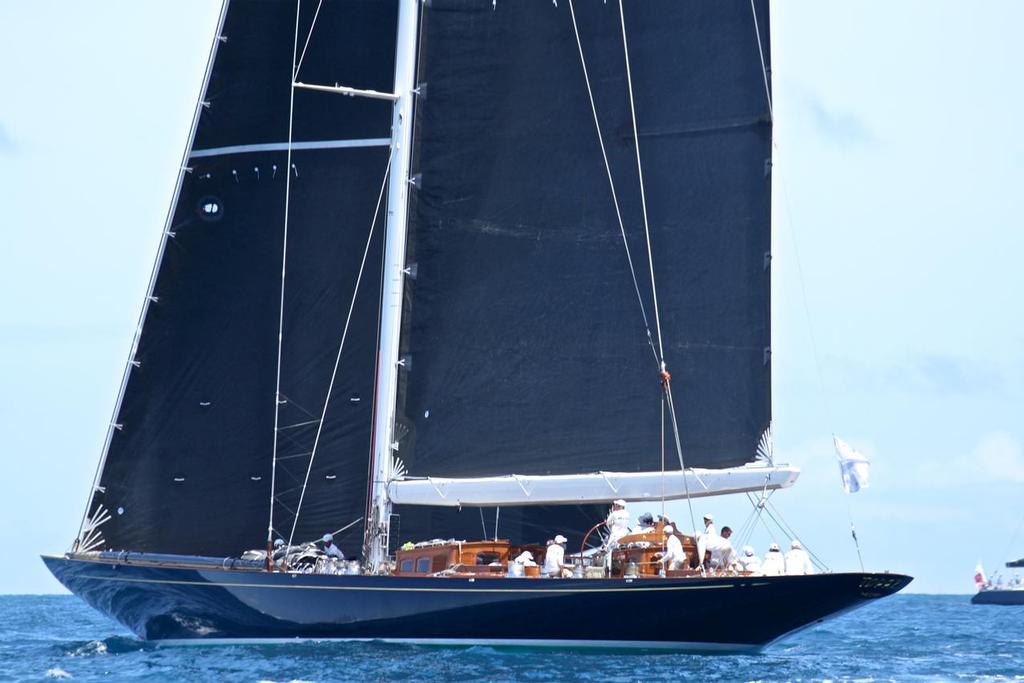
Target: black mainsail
column 187, row 467
column 526, row 348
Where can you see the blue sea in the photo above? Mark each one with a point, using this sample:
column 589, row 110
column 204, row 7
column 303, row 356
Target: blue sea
column 903, row 638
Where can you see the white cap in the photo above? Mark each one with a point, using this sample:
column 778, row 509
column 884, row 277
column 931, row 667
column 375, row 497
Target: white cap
column 773, row 547
column 561, row 539
column 619, row 501
column 709, row 518
column 328, row 537
column 748, row 551
column 795, row 545
column 278, row 542
column 526, row 555
column 669, row 529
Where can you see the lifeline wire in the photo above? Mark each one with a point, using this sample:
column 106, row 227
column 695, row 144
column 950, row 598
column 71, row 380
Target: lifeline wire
column 284, row 262
column 341, row 346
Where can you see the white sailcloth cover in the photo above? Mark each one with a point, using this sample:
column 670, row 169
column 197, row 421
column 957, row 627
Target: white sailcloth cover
column 853, row 466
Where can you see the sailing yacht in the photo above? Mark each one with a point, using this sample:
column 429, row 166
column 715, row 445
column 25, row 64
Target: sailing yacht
column 445, row 278
column 994, row 591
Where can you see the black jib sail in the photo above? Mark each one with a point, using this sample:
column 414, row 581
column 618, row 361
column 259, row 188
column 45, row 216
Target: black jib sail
column 526, row 351
column 187, row 467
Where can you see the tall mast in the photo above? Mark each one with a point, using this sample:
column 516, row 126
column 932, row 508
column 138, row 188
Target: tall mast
column 376, row 534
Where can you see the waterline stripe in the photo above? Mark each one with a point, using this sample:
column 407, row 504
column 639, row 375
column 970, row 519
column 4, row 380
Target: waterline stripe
column 684, row 646
column 283, row 146
column 562, row 591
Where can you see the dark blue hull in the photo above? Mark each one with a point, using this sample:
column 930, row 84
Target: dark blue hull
column 210, row 603
column 998, row 597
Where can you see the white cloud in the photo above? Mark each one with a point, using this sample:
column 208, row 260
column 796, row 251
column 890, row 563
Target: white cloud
column 998, row 457
column 7, row 145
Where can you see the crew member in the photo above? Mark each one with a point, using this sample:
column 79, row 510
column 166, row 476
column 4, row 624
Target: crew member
column 645, row 524
column 525, row 558
column 618, row 521
column 674, row 557
column 798, row 561
column 774, row 564
column 553, row 558
column 722, row 553
column 330, row 549
column 748, row 561
column 706, row 540
column 709, row 525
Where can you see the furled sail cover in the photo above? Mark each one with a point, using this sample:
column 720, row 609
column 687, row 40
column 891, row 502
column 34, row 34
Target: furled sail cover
column 189, row 470
column 527, row 352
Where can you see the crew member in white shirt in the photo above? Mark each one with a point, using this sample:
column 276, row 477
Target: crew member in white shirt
column 330, row 549
column 674, row 557
column 774, row 564
column 722, row 553
column 525, row 558
column 554, row 557
column 709, row 525
column 617, row 521
column 748, row 561
column 706, row 540
column 798, row 562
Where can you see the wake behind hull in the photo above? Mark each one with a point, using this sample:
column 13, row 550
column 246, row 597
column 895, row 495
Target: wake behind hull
column 179, row 603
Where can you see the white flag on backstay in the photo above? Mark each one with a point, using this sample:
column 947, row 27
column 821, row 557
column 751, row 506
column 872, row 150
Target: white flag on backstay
column 853, row 466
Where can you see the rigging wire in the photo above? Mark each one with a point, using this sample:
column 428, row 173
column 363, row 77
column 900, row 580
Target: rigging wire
column 611, row 184
column 284, row 262
column 666, row 378
column 787, row 205
column 764, row 67
column 368, row 530
column 1013, row 537
column 658, row 351
column 341, row 345
column 643, row 195
column 312, row 25
column 759, row 507
column 788, row 530
column 679, row 449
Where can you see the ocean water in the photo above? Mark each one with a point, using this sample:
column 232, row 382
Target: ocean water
column 903, row 638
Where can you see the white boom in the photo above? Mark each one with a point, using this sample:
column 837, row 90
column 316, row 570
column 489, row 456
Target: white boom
column 596, row 487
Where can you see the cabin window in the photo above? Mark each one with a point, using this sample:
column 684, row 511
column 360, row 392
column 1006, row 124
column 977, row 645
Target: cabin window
column 487, row 558
column 210, row 208
column 405, row 567
column 423, row 565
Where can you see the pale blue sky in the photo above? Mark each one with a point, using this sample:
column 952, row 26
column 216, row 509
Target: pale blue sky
column 897, row 173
